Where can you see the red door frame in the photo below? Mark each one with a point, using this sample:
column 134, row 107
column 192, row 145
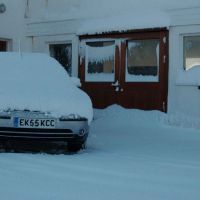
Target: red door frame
column 142, row 95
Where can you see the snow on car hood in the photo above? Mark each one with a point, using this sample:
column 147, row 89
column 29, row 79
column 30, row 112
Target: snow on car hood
column 38, row 82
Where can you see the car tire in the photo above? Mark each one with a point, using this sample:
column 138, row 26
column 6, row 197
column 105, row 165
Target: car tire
column 75, row 147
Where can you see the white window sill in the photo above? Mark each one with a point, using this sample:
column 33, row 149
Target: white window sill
column 190, row 77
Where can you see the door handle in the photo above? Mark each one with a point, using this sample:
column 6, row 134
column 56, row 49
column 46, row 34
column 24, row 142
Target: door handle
column 117, row 89
column 116, row 84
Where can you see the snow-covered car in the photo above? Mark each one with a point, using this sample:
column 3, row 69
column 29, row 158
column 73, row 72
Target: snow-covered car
column 39, row 101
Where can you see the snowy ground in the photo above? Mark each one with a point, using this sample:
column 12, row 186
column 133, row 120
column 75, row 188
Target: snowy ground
column 131, row 154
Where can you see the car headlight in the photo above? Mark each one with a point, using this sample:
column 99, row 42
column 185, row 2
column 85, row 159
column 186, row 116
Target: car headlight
column 82, row 132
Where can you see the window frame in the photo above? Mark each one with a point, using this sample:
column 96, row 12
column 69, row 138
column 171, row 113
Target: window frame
column 182, row 76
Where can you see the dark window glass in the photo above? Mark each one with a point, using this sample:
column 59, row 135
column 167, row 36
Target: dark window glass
column 143, row 57
column 3, row 46
column 63, row 54
column 100, row 61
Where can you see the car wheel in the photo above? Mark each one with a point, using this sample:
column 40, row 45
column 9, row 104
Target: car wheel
column 75, row 147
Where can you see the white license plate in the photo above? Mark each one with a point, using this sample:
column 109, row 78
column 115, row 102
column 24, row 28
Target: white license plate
column 33, row 123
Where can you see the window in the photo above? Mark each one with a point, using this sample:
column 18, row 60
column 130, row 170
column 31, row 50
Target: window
column 100, row 61
column 142, row 60
column 63, row 54
column 3, row 45
column 191, row 51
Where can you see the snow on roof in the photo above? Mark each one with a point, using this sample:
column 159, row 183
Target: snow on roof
column 123, row 15
column 38, row 82
column 125, row 22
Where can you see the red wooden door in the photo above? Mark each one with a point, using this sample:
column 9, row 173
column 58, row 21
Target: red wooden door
column 3, row 46
column 144, row 74
column 139, row 75
column 98, row 77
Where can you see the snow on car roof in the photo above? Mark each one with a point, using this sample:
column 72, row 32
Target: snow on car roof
column 36, row 81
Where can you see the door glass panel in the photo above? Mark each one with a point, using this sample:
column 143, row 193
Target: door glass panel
column 142, row 61
column 100, row 61
column 63, row 54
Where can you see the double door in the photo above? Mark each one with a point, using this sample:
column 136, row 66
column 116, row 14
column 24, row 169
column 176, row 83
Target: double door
column 126, row 69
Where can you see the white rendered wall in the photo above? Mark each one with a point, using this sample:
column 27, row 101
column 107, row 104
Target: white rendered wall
column 74, row 9
column 13, row 25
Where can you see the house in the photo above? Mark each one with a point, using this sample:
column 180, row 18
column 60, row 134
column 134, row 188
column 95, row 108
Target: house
column 139, row 54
